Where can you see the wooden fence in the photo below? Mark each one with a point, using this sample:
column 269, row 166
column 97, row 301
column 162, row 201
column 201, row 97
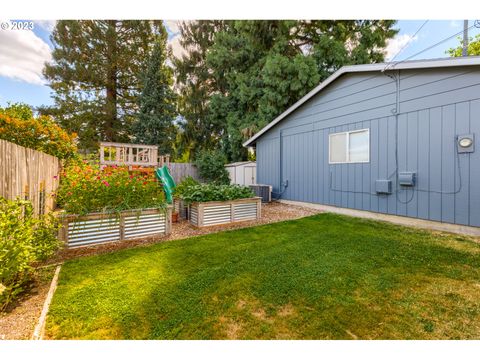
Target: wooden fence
column 28, row 174
column 179, row 171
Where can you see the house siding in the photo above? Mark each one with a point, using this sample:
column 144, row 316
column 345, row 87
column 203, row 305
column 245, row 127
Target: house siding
column 436, row 105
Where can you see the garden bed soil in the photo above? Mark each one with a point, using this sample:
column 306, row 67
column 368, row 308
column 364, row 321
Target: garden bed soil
column 271, row 213
column 20, row 318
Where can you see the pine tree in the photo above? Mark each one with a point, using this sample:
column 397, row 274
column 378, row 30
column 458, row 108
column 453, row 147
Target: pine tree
column 196, row 85
column 155, row 120
column 96, row 75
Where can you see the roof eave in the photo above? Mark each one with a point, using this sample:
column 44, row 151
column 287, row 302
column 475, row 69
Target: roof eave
column 401, row 65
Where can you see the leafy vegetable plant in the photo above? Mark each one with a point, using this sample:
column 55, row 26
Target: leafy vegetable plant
column 213, row 192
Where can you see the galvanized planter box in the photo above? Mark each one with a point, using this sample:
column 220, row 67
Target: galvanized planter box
column 225, row 212
column 99, row 228
column 181, row 208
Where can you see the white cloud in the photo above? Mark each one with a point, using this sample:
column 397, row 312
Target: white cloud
column 455, row 24
column 173, row 26
column 396, row 44
column 48, row 25
column 174, row 39
column 22, row 55
column 177, row 49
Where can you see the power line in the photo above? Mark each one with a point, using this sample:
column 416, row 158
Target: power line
column 434, row 45
column 407, row 43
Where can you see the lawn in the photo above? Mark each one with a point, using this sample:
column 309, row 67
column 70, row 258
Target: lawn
column 322, row 277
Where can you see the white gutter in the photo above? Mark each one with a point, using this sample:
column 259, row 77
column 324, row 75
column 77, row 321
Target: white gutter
column 399, row 65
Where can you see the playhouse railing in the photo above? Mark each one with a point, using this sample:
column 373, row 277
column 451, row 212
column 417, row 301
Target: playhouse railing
column 131, row 155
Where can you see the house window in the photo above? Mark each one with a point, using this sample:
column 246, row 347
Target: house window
column 349, row 147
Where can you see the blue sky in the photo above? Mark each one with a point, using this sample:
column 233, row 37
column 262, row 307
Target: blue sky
column 22, row 53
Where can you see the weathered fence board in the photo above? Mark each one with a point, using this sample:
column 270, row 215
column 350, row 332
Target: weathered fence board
column 28, row 174
column 180, row 171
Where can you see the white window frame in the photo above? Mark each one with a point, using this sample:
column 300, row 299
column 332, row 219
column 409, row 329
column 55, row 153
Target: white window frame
column 347, row 144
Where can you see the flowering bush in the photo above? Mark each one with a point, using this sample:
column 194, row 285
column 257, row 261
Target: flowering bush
column 86, row 188
column 18, row 125
column 24, row 240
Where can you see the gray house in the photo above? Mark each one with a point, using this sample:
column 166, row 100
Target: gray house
column 390, row 138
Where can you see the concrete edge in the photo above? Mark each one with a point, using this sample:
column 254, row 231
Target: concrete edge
column 39, row 330
column 395, row 219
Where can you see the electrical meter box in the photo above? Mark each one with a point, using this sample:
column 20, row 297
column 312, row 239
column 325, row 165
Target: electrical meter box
column 406, row 178
column 383, row 186
column 466, row 143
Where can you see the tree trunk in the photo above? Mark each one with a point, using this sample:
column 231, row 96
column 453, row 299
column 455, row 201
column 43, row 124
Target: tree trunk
column 111, row 84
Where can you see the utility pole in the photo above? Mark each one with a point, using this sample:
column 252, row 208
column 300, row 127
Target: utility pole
column 465, row 38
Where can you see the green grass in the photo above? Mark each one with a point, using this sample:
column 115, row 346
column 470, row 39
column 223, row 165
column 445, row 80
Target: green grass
column 321, row 277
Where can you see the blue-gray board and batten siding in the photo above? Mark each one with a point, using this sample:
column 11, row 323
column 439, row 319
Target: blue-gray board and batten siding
column 436, row 105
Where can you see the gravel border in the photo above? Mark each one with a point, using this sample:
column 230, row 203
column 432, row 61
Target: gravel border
column 40, row 328
column 19, row 322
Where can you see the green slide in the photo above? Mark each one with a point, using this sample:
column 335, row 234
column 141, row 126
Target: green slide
column 164, row 176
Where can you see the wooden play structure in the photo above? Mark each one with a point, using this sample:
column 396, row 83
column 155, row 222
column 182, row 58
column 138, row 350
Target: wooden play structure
column 131, row 155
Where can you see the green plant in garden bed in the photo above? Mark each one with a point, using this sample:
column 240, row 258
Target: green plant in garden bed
column 211, row 192
column 24, row 240
column 86, row 188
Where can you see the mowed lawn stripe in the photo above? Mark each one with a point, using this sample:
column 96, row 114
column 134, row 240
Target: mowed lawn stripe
column 322, row 277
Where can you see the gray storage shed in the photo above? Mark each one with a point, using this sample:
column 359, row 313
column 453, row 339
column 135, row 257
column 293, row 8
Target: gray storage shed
column 390, row 138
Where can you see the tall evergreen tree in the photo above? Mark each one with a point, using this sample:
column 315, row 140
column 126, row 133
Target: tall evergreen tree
column 195, row 86
column 155, row 120
column 96, row 75
column 257, row 69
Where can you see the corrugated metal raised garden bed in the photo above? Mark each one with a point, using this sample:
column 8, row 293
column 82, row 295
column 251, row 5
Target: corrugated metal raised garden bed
column 99, row 228
column 224, row 212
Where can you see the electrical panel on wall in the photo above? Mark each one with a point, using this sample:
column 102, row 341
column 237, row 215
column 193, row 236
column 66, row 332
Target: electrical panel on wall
column 406, row 178
column 383, row 186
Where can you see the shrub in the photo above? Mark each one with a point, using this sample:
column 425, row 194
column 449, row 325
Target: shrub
column 24, row 240
column 213, row 192
column 183, row 186
column 18, row 125
column 86, row 188
column 211, row 166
